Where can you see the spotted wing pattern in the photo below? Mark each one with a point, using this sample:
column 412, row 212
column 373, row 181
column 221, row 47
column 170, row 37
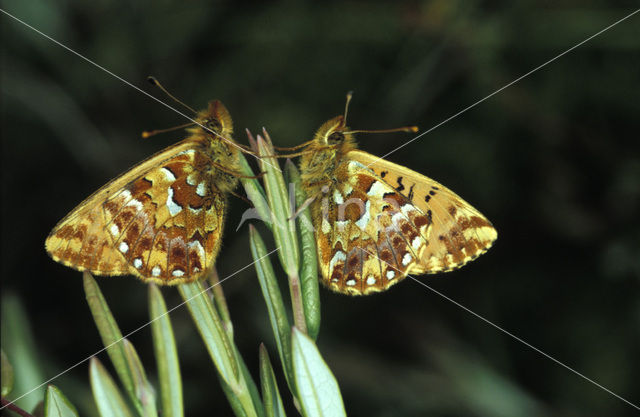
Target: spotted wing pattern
column 161, row 221
column 383, row 222
column 369, row 235
column 460, row 233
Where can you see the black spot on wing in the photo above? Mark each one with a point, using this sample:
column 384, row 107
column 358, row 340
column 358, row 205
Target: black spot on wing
column 410, row 196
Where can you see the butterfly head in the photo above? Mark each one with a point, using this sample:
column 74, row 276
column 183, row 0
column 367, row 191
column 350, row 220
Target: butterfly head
column 214, row 121
column 334, row 135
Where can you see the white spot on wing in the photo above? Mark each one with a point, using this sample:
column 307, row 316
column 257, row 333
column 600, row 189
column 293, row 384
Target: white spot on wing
column 376, row 190
column 173, row 207
column 417, row 242
column 201, row 190
column 408, row 208
column 337, row 197
column 351, row 282
column 123, row 247
column 156, row 271
column 137, row 263
column 177, row 273
column 354, row 165
column 397, row 218
column 406, row 259
column 326, row 227
column 391, row 275
column 364, row 220
column 338, row 257
column 114, row 229
column 168, row 174
column 371, row 280
column 134, row 203
column 342, row 223
column 187, row 152
column 191, row 178
column 198, row 248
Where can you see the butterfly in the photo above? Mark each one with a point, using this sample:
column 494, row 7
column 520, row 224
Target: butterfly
column 376, row 222
column 162, row 220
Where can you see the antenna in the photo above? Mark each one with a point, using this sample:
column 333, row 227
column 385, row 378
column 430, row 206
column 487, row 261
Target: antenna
column 149, row 133
column 346, row 106
column 411, row 129
column 156, row 83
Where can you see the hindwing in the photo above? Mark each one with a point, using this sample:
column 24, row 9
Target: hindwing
column 369, row 235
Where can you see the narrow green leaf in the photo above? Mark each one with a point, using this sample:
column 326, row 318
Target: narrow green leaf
column 236, row 405
column 105, row 392
column 318, row 389
column 284, row 229
column 111, row 336
column 211, row 330
column 251, row 385
column 166, row 355
column 309, row 269
column 57, row 405
column 221, row 349
column 220, row 302
column 144, row 391
column 272, row 400
column 6, row 379
column 273, row 298
column 20, row 346
column 234, row 401
column 256, row 195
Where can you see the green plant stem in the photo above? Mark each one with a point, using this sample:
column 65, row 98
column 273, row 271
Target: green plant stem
column 296, row 303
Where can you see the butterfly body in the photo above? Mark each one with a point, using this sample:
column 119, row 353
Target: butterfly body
column 162, row 220
column 376, row 222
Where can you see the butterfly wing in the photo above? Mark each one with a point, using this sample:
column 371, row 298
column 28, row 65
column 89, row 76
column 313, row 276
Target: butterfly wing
column 371, row 234
column 160, row 221
column 458, row 233
column 368, row 232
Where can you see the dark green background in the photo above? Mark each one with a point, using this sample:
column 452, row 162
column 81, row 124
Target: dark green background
column 553, row 161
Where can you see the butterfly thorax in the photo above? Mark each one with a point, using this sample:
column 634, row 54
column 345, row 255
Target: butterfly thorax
column 227, row 156
column 214, row 131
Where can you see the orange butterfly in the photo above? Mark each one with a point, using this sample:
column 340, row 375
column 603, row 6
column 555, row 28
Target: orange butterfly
column 376, row 222
column 162, row 220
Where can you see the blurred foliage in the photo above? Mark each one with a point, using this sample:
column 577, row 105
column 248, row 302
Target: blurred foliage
column 553, row 161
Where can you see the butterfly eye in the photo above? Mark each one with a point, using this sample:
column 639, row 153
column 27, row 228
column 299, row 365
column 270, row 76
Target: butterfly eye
column 335, row 138
column 213, row 124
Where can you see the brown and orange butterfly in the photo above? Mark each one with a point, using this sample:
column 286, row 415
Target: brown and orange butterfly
column 162, row 220
column 376, row 222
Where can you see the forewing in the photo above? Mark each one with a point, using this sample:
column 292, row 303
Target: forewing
column 458, row 233
column 160, row 221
